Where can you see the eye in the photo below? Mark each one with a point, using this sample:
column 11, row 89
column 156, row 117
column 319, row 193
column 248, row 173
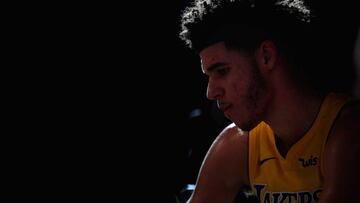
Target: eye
column 222, row 71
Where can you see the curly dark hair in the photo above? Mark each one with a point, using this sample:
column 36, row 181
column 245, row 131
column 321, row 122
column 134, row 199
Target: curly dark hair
column 243, row 24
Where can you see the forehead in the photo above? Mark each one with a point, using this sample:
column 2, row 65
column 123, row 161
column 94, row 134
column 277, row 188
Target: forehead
column 218, row 53
column 213, row 54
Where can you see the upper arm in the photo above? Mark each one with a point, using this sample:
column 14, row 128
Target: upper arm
column 224, row 169
column 342, row 158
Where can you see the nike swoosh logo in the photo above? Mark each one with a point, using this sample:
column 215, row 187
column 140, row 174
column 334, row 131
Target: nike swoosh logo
column 267, row 159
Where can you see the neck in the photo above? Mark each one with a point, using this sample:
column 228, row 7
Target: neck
column 292, row 115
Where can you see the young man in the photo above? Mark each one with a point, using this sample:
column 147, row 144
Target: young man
column 288, row 141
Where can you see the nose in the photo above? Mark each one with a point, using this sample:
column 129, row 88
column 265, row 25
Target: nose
column 214, row 91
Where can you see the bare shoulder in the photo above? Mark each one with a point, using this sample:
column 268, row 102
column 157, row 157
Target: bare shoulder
column 351, row 110
column 341, row 165
column 345, row 133
column 231, row 143
column 347, row 124
column 224, row 169
column 230, row 147
column 231, row 134
column 233, row 129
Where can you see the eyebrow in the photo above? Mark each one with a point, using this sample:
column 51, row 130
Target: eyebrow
column 214, row 66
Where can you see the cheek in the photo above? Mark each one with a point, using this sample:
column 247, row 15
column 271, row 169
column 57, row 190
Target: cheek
column 238, row 88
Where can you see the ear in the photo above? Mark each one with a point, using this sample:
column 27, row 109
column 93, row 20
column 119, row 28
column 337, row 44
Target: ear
column 266, row 55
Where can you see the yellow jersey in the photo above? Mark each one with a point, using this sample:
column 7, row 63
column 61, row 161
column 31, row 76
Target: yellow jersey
column 299, row 176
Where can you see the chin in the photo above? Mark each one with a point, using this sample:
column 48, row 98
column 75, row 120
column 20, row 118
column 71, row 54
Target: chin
column 246, row 126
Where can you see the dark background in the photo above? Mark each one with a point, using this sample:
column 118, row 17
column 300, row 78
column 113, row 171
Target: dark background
column 180, row 87
column 123, row 104
column 167, row 143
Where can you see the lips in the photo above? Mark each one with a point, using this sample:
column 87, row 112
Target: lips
column 223, row 106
